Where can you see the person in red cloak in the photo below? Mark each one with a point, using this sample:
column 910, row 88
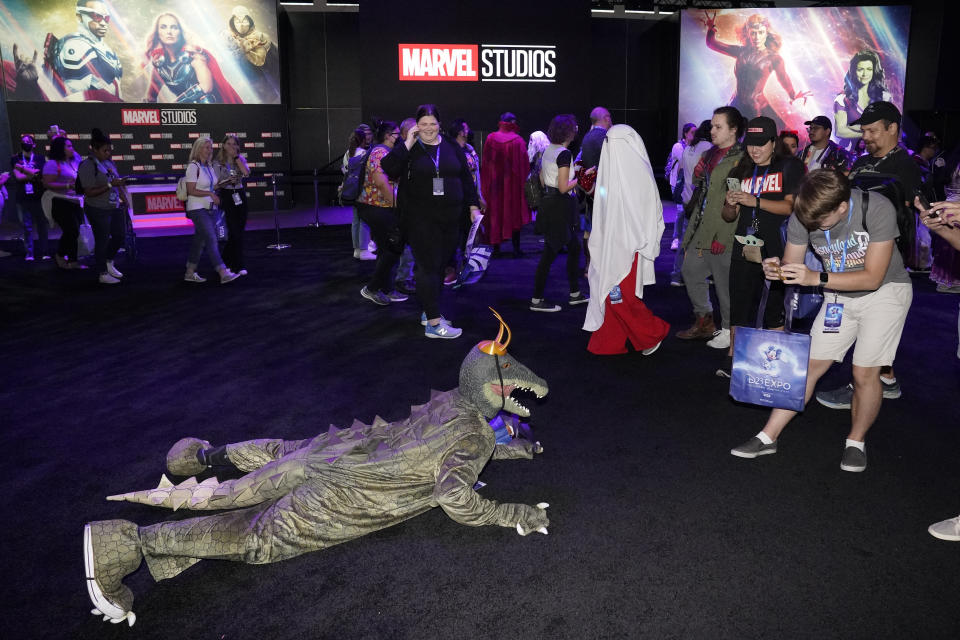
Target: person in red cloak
column 188, row 72
column 503, row 171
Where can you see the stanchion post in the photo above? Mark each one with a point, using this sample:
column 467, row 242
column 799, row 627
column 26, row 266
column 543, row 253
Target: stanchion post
column 316, row 198
column 279, row 246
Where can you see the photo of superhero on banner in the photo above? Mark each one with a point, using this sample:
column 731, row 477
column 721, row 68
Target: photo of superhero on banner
column 793, row 64
column 166, row 51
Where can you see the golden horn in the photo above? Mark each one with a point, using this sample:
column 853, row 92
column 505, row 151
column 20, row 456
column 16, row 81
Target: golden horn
column 495, row 347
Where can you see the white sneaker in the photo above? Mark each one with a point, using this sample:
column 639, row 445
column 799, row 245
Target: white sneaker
column 193, row 277
column 362, row 254
column 652, row 350
column 112, row 270
column 720, row 340
column 675, row 244
column 946, row 530
column 106, row 278
column 228, row 276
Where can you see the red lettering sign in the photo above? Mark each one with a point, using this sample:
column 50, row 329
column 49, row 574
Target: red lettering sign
column 163, row 203
column 435, row 62
column 135, row 117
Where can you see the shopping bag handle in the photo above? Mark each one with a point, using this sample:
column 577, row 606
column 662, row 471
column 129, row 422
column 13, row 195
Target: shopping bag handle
column 763, row 307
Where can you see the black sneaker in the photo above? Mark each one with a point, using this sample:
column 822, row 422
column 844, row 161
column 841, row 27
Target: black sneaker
column 754, row 447
column 579, row 298
column 853, row 460
column 544, row 306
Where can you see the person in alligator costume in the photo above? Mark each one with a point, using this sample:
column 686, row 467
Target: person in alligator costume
column 303, row 495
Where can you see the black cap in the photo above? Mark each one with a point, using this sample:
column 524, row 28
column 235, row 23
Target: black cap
column 823, row 121
column 760, row 131
column 881, row 110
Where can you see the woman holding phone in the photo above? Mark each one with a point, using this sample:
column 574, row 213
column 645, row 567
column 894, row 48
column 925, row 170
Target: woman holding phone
column 760, row 204
column 436, row 183
column 202, row 205
column 232, row 168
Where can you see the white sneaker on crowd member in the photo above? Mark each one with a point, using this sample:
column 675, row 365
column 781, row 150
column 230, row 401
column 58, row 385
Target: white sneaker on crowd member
column 112, row 270
column 363, row 254
column 946, row 529
column 228, row 276
column 106, row 278
column 193, row 276
column 720, row 340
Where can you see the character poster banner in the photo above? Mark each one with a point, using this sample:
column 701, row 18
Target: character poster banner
column 793, row 64
column 140, row 51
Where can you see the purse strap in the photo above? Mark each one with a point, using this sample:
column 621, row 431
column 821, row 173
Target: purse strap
column 763, row 307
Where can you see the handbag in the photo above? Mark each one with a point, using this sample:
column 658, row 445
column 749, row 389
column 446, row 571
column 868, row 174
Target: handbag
column 770, row 367
column 221, row 226
column 533, row 188
column 85, row 241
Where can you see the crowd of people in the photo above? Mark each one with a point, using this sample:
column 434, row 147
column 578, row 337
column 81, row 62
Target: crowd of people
column 755, row 214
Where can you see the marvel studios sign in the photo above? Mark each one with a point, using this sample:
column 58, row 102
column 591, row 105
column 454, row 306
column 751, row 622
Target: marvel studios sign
column 477, row 62
column 158, row 117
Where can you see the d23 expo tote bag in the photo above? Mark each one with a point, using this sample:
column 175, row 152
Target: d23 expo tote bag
column 770, row 367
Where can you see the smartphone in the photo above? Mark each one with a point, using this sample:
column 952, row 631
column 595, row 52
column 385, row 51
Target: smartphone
column 923, row 200
column 733, row 184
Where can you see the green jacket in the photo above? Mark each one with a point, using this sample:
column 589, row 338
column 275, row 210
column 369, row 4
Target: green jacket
column 711, row 226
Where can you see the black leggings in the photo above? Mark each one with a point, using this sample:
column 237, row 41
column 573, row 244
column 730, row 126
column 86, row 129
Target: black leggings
column 109, row 233
column 432, row 235
column 557, row 219
column 67, row 214
column 236, row 217
column 746, row 289
column 383, row 227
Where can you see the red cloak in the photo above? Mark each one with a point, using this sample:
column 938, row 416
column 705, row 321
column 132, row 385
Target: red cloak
column 502, row 173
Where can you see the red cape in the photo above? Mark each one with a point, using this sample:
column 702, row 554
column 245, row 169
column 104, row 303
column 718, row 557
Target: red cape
column 503, row 171
column 220, row 84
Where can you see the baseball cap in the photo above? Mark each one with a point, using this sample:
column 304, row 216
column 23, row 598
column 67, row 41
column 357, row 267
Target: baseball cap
column 760, row 131
column 880, row 110
column 822, row 121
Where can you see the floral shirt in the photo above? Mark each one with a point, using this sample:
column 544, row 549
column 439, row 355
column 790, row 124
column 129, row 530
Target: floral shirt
column 371, row 194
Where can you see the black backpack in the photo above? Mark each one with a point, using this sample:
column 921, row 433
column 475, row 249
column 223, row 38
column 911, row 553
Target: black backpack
column 890, row 187
column 533, row 188
column 352, row 185
column 77, row 186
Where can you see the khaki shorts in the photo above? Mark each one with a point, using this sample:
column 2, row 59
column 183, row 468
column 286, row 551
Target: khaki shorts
column 874, row 321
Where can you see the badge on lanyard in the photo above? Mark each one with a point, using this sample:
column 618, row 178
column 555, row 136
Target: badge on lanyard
column 438, row 186
column 28, row 188
column 832, row 317
column 616, row 297
column 236, row 198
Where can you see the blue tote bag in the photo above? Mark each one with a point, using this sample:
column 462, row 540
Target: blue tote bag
column 770, row 367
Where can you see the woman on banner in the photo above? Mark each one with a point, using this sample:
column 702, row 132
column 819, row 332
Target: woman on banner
column 62, row 202
column 627, row 226
column 862, row 84
column 232, row 169
column 202, row 208
column 435, row 179
column 377, row 206
column 183, row 72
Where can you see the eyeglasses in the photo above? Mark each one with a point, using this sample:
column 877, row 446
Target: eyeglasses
column 395, row 133
column 93, row 15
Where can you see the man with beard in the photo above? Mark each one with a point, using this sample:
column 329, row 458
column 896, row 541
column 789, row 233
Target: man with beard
column 83, row 66
column 880, row 124
column 822, row 152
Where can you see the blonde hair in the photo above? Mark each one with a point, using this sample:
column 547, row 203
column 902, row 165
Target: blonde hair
column 195, row 150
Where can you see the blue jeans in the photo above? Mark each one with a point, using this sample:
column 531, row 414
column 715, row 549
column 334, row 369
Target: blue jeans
column 359, row 232
column 405, row 266
column 204, row 235
column 31, row 214
column 679, row 228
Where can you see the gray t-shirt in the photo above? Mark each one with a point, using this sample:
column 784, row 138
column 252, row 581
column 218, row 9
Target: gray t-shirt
column 853, row 240
column 95, row 173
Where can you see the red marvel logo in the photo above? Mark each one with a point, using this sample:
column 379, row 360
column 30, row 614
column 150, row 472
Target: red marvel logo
column 163, row 203
column 140, row 116
column 456, row 62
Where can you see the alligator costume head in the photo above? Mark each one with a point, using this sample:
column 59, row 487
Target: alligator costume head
column 488, row 377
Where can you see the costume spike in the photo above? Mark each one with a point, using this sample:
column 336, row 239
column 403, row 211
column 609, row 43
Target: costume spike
column 178, row 499
column 164, row 482
column 189, row 482
column 379, row 422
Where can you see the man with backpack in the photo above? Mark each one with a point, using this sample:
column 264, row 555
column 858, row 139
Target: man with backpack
column 888, row 170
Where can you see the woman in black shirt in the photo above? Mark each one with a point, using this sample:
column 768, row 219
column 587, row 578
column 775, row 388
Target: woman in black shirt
column 436, row 183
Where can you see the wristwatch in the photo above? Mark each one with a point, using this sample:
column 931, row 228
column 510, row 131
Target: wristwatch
column 824, row 276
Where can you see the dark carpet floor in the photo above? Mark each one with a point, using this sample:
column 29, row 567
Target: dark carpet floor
column 656, row 530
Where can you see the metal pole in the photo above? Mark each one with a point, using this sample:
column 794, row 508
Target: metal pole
column 316, row 198
column 276, row 218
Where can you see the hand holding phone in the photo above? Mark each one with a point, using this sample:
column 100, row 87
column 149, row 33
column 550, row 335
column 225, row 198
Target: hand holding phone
column 733, row 184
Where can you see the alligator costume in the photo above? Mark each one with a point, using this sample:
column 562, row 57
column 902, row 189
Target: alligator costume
column 304, row 495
